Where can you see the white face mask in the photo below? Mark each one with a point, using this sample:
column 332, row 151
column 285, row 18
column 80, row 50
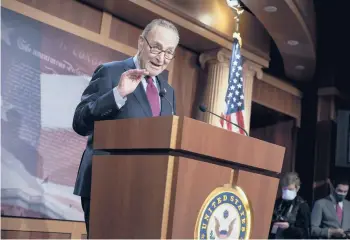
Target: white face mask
column 288, row 194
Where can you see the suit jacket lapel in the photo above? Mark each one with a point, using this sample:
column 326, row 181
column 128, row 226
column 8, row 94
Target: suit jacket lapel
column 139, row 92
column 346, row 215
column 332, row 207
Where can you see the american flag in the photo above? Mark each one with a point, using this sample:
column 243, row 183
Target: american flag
column 234, row 100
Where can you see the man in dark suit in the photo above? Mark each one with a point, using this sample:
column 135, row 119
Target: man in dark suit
column 330, row 217
column 126, row 89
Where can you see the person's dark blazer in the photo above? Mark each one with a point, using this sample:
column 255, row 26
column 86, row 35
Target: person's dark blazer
column 98, row 103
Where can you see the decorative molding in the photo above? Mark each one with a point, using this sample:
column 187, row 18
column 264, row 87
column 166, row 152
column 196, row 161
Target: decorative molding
column 221, row 55
column 106, row 23
column 76, row 229
column 205, row 33
column 218, row 73
column 332, row 91
column 253, row 68
column 328, row 91
column 66, row 26
column 275, row 98
column 326, row 108
column 167, row 197
column 271, row 80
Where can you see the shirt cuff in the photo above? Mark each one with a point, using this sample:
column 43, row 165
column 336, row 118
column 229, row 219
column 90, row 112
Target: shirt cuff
column 119, row 100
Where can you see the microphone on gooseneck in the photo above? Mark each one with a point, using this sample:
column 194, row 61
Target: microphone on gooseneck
column 162, row 94
column 203, row 108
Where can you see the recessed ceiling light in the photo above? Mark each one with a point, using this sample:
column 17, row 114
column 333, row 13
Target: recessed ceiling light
column 293, row 42
column 270, row 9
column 299, row 67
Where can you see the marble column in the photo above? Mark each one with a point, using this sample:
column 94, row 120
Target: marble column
column 250, row 70
column 217, row 64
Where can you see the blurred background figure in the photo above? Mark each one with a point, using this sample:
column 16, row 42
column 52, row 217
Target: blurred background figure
column 291, row 215
column 330, row 217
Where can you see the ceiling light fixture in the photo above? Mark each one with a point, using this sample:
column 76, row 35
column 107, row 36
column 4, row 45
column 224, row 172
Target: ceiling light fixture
column 270, row 9
column 293, row 42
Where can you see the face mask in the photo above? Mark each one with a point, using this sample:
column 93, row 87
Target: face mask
column 288, row 194
column 339, row 197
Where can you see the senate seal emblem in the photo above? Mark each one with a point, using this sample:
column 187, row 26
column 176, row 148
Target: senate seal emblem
column 225, row 214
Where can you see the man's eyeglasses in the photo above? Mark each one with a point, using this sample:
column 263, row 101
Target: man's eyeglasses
column 155, row 50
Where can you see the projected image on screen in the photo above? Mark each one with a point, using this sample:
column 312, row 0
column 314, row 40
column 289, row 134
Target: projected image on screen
column 44, row 72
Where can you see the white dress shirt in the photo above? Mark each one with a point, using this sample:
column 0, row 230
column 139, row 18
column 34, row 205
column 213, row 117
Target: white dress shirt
column 120, row 101
column 340, row 205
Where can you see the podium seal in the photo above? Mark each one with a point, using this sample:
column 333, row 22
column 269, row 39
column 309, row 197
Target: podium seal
column 225, row 214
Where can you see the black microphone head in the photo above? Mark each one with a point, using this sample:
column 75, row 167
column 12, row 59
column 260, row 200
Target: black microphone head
column 203, row 108
column 162, row 92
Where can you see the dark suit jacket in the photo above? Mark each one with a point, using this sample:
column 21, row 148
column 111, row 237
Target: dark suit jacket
column 324, row 216
column 298, row 219
column 98, row 103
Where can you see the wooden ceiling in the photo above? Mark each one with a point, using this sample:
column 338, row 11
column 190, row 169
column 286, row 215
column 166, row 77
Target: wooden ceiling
column 291, row 24
column 208, row 24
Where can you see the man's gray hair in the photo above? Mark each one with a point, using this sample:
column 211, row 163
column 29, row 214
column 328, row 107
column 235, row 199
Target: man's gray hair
column 290, row 178
column 160, row 22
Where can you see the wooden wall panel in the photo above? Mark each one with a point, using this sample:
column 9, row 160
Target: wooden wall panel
column 124, row 32
column 185, row 79
column 71, row 11
column 40, row 228
column 283, row 134
column 8, row 234
column 277, row 99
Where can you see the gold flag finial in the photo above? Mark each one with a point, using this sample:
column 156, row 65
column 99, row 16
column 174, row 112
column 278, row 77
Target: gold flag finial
column 235, row 5
column 238, row 36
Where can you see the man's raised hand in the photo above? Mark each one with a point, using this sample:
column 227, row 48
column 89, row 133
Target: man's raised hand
column 129, row 80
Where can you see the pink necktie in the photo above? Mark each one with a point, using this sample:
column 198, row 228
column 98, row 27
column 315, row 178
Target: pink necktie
column 152, row 95
column 339, row 212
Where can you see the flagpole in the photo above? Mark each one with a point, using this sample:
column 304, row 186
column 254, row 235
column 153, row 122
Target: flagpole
column 239, row 10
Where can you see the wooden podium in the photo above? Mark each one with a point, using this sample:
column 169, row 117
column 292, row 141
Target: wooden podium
column 157, row 172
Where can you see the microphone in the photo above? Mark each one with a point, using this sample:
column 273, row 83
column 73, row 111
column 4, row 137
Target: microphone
column 203, row 108
column 162, row 94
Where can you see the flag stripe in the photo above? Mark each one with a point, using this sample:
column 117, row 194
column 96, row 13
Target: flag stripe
column 240, row 121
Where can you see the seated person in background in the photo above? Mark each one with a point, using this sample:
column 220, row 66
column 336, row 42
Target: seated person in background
column 291, row 215
column 330, row 217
